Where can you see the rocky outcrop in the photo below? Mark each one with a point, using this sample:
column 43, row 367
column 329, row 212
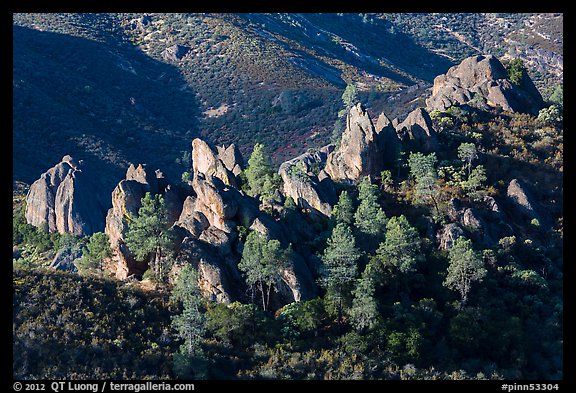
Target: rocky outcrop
column 231, row 158
column 522, row 200
column 208, row 163
column 482, row 80
column 175, row 52
column 447, row 235
column 65, row 198
column 215, row 201
column 472, row 220
column 213, row 279
column 297, row 281
column 417, row 128
column 191, row 219
column 126, row 201
column 205, row 217
column 389, row 139
column 303, row 186
column 209, row 219
column 360, row 152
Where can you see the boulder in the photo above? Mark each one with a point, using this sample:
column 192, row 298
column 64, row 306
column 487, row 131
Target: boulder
column 65, row 198
column 482, row 80
column 191, row 219
column 417, row 128
column 230, row 157
column 220, row 240
column 472, row 220
column 304, row 187
column 271, row 229
column 491, row 204
column 297, row 281
column 447, row 235
column 522, row 199
column 175, row 52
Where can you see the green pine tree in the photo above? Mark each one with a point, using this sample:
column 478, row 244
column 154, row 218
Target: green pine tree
column 401, row 247
column 364, row 311
column 344, row 209
column 340, row 266
column 149, row 237
column 369, row 218
column 262, row 261
column 190, row 325
column 465, row 267
column 423, row 171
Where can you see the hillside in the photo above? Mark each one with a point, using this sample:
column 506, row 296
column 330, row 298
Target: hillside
column 288, row 196
column 107, row 88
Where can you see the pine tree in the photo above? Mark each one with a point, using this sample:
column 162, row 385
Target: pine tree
column 401, row 247
column 262, row 261
column 476, row 180
column 422, row 169
column 349, row 97
column 364, row 310
column 258, row 169
column 467, row 153
column 190, row 325
column 369, row 218
column 97, row 249
column 261, row 178
column 344, row 209
column 149, row 237
column 516, row 71
column 339, row 265
column 465, row 267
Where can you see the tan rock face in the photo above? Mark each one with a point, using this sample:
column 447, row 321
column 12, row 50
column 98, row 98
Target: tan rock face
column 360, row 150
column 65, row 198
column 125, row 204
column 212, row 277
column 417, row 127
column 215, row 203
column 230, row 157
column 191, row 219
column 447, row 235
column 307, row 190
column 206, row 162
column 483, row 77
column 523, row 201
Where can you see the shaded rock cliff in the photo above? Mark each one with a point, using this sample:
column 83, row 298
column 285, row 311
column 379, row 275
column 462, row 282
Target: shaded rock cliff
column 65, row 198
